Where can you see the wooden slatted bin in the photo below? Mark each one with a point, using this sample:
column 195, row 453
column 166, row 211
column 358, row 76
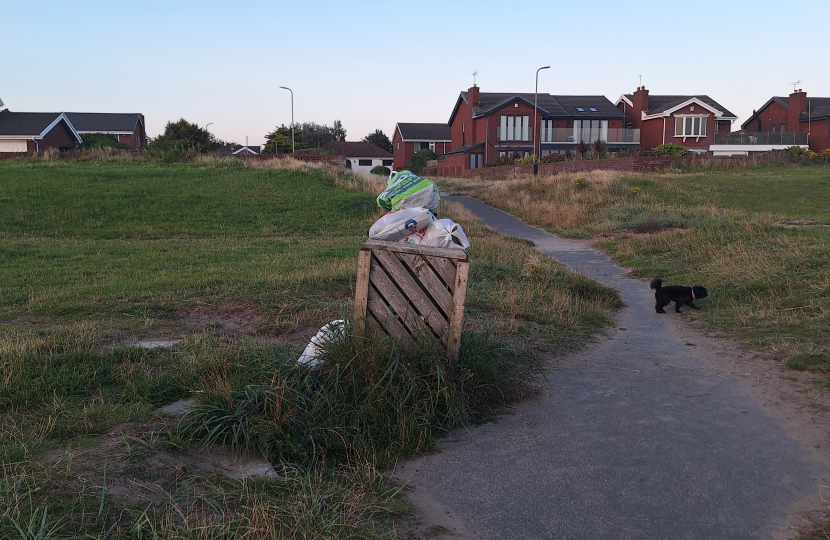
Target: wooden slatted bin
column 412, row 292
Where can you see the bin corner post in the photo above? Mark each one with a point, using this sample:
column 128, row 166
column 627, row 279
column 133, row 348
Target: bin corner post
column 361, row 294
column 459, row 295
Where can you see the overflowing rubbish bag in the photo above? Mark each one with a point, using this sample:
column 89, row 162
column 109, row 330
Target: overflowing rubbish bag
column 443, row 233
column 396, row 226
column 408, row 190
column 330, row 333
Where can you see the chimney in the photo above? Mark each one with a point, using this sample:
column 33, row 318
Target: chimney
column 639, row 103
column 798, row 105
column 472, row 96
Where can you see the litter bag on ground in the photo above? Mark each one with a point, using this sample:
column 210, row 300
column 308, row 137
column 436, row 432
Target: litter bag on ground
column 445, row 233
column 396, row 226
column 330, row 333
column 408, row 190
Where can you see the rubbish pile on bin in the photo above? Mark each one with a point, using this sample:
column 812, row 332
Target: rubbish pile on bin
column 411, row 202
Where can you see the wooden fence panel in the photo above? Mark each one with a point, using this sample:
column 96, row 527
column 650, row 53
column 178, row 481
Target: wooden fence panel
column 412, row 292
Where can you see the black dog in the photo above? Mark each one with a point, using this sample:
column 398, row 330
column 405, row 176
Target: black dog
column 676, row 293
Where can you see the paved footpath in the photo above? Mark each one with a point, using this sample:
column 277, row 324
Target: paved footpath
column 643, row 435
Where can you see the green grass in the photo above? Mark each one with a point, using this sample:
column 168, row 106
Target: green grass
column 96, row 254
column 756, row 237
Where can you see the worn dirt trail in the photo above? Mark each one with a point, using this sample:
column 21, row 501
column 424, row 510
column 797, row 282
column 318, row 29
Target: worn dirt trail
column 655, row 431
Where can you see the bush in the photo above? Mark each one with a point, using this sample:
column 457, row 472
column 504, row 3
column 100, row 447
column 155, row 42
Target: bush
column 670, row 149
column 381, row 170
column 102, row 140
column 419, row 160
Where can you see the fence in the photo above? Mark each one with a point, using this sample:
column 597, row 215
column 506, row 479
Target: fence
column 411, row 293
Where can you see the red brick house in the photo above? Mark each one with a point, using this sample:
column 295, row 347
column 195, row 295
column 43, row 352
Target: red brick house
column 410, row 138
column 486, row 126
column 128, row 128
column 692, row 121
column 788, row 121
column 36, row 132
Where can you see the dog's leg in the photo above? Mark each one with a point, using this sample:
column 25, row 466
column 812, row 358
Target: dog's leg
column 660, row 305
column 691, row 304
column 677, row 307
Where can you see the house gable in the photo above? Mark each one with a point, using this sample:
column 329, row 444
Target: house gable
column 672, row 109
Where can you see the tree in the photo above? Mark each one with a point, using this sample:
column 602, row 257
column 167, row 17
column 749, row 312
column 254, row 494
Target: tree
column 338, row 132
column 183, row 135
column 419, row 160
column 281, row 138
column 379, row 139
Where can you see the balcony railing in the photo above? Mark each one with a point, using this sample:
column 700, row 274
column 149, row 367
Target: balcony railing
column 610, row 135
column 760, row 137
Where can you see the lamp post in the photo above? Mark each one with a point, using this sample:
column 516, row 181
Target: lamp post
column 535, row 130
column 292, row 121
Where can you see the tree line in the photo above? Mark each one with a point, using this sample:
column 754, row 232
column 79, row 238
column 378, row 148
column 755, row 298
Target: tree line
column 189, row 137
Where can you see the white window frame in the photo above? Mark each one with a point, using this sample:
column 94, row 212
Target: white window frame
column 511, row 130
column 688, row 123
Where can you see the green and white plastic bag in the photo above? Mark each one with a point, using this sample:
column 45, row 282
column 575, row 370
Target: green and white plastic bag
column 408, row 190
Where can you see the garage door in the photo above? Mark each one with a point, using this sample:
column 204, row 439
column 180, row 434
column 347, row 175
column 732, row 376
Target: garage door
column 12, row 146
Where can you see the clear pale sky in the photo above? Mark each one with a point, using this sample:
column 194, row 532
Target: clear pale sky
column 372, row 64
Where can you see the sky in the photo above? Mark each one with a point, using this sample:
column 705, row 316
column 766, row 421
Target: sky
column 373, row 64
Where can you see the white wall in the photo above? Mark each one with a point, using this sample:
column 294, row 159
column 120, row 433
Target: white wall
column 13, row 145
column 375, row 162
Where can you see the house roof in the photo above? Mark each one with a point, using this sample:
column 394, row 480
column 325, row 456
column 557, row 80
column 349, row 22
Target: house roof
column 466, row 149
column 28, row 125
column 819, row 108
column 357, row 149
column 425, row 132
column 104, row 122
column 249, row 149
column 550, row 106
column 659, row 104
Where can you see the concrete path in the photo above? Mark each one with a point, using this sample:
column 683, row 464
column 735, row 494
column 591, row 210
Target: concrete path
column 643, row 435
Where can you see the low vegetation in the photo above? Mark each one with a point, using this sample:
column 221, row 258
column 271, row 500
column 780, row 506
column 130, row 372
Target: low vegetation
column 241, row 262
column 757, row 237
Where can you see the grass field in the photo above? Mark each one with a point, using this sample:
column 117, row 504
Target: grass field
column 239, row 261
column 757, row 237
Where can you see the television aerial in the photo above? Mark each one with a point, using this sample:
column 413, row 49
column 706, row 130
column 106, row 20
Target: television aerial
column 796, row 83
column 475, row 73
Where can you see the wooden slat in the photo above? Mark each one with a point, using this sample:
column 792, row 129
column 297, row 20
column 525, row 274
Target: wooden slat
column 453, row 337
column 395, row 298
column 401, row 247
column 412, row 291
column 364, row 261
column 444, row 267
column 428, row 280
column 387, row 319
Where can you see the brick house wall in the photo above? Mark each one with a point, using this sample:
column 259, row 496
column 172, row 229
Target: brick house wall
column 58, row 137
column 773, row 114
column 819, row 134
column 402, row 151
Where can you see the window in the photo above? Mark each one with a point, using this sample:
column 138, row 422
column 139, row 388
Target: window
column 590, row 130
column 547, row 131
column 514, row 128
column 690, row 126
column 592, row 109
column 423, row 146
column 772, row 128
column 364, row 162
column 580, row 109
column 476, row 161
column 782, row 128
column 387, row 162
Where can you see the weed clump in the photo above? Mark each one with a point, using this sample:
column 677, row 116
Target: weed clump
column 369, row 402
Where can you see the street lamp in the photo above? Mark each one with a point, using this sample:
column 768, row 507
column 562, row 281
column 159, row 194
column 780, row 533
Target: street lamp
column 535, row 126
column 292, row 121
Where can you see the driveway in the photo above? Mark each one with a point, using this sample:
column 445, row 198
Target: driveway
column 652, row 432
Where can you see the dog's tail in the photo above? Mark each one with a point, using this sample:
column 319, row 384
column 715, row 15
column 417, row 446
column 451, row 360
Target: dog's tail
column 656, row 283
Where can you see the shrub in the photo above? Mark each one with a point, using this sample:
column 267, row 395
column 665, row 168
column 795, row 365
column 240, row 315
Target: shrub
column 600, row 148
column 580, row 183
column 670, row 149
column 419, row 160
column 381, row 170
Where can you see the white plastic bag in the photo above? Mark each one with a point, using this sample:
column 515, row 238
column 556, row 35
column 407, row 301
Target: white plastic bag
column 330, row 333
column 398, row 225
column 445, row 233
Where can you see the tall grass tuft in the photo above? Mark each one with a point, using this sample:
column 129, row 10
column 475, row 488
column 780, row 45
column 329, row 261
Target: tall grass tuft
column 371, row 401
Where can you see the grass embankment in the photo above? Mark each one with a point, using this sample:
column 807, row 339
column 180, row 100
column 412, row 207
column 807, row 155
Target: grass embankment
column 757, row 238
column 233, row 258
